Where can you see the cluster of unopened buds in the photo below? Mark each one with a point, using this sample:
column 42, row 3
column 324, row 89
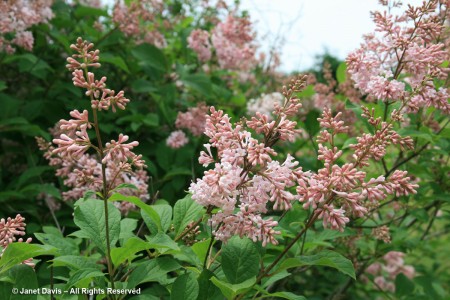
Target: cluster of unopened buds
column 408, row 51
column 193, row 120
column 193, row 230
column 385, row 272
column 9, row 229
column 115, row 162
column 246, row 178
column 325, row 94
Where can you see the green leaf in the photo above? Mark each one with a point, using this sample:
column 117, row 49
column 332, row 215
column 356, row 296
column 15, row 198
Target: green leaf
column 125, row 186
column 240, row 259
column 274, row 278
column 128, row 251
column 144, row 207
column 311, row 123
column 66, row 246
column 185, row 211
column 143, row 86
column 287, row 295
column 185, row 287
column 201, row 249
column 23, row 126
column 81, row 275
column 89, row 216
column 279, row 295
column 307, row 92
column 324, row 258
column 207, row 290
column 23, row 277
column 76, row 262
column 16, row 253
column 151, row 56
column 3, row 85
column 164, row 212
column 341, row 73
column 154, row 270
column 427, row 136
column 87, row 11
column 186, row 254
column 159, row 242
column 199, row 83
column 177, row 172
column 349, row 142
column 151, row 120
column 115, row 60
column 403, row 285
column 239, row 100
column 36, row 188
column 162, row 241
column 127, row 226
column 232, row 290
column 6, row 288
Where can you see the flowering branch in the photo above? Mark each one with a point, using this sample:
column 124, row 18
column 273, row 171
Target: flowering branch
column 114, row 158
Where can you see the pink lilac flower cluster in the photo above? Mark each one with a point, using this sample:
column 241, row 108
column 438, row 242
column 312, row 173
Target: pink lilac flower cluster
column 177, row 139
column 16, row 17
column 245, row 178
column 113, row 163
column 382, row 233
column 375, row 145
column 198, row 41
column 139, row 20
column 193, row 120
column 91, row 3
column 386, row 272
column 9, row 229
column 233, row 42
column 404, row 58
column 325, row 94
column 264, row 104
column 85, row 174
column 336, row 191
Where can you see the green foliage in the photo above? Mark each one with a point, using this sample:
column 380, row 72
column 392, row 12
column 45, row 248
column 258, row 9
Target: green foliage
column 90, row 216
column 18, row 252
column 185, row 287
column 154, row 270
column 324, row 258
column 232, row 290
column 184, row 212
column 240, row 260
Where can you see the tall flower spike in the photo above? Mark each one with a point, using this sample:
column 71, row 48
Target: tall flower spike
column 82, row 171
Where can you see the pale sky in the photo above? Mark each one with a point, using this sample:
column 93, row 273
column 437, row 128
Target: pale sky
column 308, row 27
